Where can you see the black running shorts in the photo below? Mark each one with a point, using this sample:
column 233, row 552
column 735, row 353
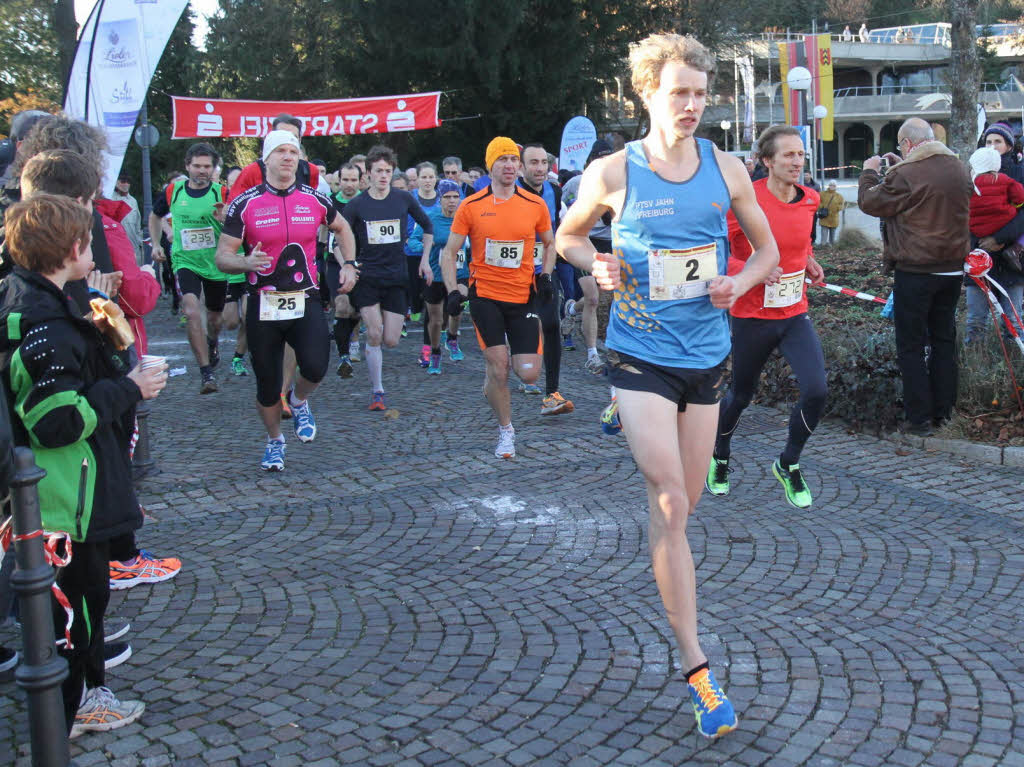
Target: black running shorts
column 370, row 292
column 307, row 335
column 497, row 320
column 214, row 292
column 682, row 386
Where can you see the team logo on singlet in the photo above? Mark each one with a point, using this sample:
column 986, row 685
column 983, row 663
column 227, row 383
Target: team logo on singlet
column 663, row 206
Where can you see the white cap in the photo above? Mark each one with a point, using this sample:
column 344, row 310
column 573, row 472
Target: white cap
column 277, row 138
column 984, row 160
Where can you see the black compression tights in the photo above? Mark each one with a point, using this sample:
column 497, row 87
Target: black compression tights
column 753, row 340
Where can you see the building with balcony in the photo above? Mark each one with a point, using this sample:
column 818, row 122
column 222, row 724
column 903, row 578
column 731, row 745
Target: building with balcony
column 877, row 84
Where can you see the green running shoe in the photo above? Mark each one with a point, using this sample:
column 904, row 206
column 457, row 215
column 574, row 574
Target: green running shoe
column 797, row 492
column 238, row 367
column 717, row 482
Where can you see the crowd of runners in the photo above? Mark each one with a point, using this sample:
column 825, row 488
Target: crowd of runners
column 703, row 263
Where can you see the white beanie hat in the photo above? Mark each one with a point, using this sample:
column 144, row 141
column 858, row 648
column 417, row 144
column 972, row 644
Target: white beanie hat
column 984, row 160
column 277, row 138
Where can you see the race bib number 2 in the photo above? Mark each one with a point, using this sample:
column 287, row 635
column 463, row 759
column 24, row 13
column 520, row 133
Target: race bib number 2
column 677, row 274
column 276, row 306
column 198, row 239
column 383, row 232
column 507, row 254
column 786, row 292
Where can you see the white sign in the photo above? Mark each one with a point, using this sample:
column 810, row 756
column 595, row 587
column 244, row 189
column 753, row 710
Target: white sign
column 118, row 51
column 578, row 137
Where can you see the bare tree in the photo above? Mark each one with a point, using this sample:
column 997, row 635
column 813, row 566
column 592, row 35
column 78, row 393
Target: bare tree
column 965, row 77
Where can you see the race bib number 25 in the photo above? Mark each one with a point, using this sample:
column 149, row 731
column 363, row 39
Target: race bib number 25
column 677, row 274
column 276, row 306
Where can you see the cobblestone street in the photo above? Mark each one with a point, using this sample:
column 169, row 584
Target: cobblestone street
column 398, row 596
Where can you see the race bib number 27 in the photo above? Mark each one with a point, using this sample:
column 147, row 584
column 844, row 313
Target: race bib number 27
column 677, row 274
column 786, row 292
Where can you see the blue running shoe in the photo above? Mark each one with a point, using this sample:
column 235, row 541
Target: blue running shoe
column 273, row 456
column 568, row 344
column 526, row 388
column 305, row 424
column 435, row 365
column 454, row 352
column 715, row 714
column 610, row 423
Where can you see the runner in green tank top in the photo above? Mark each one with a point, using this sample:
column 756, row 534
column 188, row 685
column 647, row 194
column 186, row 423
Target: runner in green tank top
column 196, row 206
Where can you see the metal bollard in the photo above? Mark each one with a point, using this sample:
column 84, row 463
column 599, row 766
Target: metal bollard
column 142, row 459
column 42, row 670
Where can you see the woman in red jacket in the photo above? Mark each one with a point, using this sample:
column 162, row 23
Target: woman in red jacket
column 774, row 315
column 139, row 289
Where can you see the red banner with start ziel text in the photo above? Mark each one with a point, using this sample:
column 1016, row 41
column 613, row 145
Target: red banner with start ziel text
column 227, row 118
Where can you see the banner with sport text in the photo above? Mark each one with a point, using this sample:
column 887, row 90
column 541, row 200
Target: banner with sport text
column 814, row 53
column 231, row 118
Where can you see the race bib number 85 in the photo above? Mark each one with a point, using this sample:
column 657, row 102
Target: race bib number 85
column 383, row 232
column 676, row 274
column 507, row 254
column 282, row 306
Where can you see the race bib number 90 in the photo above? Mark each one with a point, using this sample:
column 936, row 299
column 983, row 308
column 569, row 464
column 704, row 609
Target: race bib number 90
column 282, row 306
column 383, row 232
column 507, row 254
column 786, row 292
column 676, row 274
column 198, row 239
column 460, row 258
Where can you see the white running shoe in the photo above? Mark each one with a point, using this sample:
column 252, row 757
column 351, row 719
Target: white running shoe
column 506, row 444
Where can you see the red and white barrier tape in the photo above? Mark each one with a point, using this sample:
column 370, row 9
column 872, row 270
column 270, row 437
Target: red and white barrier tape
column 846, row 291
column 50, row 543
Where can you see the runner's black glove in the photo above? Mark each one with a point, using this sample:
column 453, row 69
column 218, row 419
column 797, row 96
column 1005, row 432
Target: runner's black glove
column 545, row 290
column 455, row 299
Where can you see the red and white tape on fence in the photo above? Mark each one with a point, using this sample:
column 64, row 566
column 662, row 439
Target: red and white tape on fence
column 846, row 291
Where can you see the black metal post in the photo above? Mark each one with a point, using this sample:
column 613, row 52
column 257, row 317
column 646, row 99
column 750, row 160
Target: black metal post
column 147, row 187
column 43, row 670
column 142, row 459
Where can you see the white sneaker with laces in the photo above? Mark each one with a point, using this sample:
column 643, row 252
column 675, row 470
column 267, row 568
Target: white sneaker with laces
column 100, row 711
column 506, row 444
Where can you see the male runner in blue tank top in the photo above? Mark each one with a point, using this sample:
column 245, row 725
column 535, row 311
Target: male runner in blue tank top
column 669, row 334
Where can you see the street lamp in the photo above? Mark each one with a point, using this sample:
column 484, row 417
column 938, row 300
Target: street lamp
column 799, row 79
column 820, row 113
column 725, row 125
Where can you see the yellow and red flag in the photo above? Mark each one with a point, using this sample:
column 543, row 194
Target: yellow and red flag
column 815, row 54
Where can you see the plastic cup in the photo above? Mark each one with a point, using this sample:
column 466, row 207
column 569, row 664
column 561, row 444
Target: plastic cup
column 152, row 361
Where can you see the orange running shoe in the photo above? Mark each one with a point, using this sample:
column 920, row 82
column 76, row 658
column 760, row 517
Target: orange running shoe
column 145, row 569
column 554, row 404
column 286, row 411
column 377, row 403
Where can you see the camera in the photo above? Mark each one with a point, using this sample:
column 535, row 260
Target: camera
column 883, row 166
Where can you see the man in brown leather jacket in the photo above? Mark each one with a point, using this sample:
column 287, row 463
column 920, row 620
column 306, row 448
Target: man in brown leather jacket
column 924, row 199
